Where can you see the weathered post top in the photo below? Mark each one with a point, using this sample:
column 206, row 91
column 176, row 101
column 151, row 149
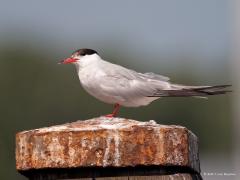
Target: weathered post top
column 104, row 143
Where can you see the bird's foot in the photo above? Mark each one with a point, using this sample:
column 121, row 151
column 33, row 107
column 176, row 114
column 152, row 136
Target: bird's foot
column 115, row 111
column 110, row 115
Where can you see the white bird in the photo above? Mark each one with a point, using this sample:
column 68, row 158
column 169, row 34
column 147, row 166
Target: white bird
column 114, row 84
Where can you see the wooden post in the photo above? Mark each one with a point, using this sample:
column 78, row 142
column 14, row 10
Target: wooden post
column 108, row 148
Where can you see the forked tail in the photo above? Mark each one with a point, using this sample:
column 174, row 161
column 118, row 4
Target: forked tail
column 186, row 91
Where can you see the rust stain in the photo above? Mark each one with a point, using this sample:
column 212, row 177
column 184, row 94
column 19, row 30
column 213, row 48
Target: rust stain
column 106, row 142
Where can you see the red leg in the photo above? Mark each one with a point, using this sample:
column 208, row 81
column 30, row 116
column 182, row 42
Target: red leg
column 115, row 111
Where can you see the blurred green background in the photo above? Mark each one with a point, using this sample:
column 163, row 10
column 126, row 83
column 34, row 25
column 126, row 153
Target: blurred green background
column 189, row 41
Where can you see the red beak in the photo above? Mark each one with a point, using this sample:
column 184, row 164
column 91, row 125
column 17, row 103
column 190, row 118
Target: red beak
column 68, row 60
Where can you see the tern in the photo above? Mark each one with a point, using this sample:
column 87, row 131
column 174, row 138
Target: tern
column 115, row 84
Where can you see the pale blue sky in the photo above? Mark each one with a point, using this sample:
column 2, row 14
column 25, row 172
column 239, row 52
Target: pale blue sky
column 154, row 29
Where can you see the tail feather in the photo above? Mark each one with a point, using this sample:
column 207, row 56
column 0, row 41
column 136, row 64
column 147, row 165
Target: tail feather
column 190, row 91
column 217, row 87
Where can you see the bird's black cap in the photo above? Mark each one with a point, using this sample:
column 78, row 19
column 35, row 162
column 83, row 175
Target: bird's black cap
column 84, row 51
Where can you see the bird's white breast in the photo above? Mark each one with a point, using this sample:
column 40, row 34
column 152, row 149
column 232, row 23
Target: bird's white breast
column 90, row 79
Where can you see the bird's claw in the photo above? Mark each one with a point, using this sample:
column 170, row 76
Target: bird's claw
column 110, row 115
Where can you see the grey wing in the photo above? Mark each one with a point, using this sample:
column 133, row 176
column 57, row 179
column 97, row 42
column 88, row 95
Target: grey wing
column 154, row 76
column 127, row 83
column 124, row 87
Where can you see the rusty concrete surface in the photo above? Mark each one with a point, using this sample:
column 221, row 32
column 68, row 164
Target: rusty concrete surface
column 106, row 142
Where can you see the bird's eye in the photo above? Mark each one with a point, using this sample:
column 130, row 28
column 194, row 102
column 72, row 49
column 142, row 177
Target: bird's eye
column 83, row 54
